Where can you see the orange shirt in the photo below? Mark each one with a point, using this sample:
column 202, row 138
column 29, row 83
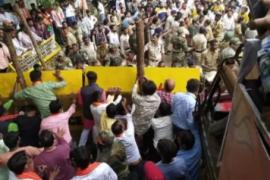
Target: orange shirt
column 29, row 175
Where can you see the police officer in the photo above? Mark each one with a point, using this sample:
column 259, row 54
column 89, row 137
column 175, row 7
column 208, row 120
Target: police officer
column 179, row 48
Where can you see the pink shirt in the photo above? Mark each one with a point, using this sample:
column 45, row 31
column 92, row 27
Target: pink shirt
column 4, row 56
column 59, row 121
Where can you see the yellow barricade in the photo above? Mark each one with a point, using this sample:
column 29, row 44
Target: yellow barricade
column 123, row 77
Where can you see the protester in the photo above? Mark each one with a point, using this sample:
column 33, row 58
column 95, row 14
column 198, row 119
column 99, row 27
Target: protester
column 55, row 155
column 130, row 131
column 85, row 100
column 29, row 126
column 146, row 103
column 173, row 168
column 80, row 158
column 166, row 94
column 162, row 124
column 22, row 166
column 41, row 92
column 59, row 119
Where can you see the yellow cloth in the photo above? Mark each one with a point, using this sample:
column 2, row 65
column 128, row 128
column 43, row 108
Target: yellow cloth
column 218, row 8
column 106, row 122
column 245, row 17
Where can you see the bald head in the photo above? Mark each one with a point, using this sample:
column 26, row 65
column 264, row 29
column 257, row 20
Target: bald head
column 169, row 85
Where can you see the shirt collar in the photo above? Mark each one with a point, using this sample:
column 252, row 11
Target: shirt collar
column 88, row 170
column 191, row 94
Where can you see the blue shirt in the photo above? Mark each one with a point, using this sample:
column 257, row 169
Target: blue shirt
column 183, row 105
column 192, row 157
column 176, row 170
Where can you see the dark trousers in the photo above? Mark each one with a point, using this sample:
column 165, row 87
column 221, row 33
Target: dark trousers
column 146, row 146
column 3, row 70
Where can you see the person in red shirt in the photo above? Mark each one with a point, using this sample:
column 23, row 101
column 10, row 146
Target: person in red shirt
column 165, row 93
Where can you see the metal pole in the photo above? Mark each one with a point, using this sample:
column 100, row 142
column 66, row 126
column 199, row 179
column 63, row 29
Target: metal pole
column 140, row 49
column 29, row 32
column 13, row 55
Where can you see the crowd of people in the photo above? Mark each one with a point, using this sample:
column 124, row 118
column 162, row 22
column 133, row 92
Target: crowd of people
column 151, row 135
column 179, row 33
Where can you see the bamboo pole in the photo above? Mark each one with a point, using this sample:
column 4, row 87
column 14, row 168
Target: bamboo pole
column 13, row 55
column 29, row 32
column 140, row 49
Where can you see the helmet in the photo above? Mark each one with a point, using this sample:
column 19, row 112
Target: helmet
column 227, row 53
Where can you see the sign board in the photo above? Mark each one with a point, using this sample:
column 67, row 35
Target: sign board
column 48, row 48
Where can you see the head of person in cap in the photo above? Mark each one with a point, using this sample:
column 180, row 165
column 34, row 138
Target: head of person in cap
column 154, row 39
column 113, row 48
column 228, row 36
column 228, row 55
column 158, row 32
column 235, row 43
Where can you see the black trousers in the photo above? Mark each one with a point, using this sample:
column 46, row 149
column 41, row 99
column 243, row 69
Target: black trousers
column 3, row 70
column 146, row 146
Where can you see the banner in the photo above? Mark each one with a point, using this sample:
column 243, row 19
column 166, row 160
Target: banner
column 48, row 48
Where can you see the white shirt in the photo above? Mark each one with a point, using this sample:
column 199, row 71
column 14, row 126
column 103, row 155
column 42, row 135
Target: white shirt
column 229, row 23
column 70, row 11
column 169, row 22
column 90, row 50
column 155, row 51
column 101, row 8
column 12, row 18
column 4, row 56
column 20, row 49
column 117, row 5
column 199, row 42
column 129, row 142
column 114, row 38
column 26, row 40
column 97, row 111
column 162, row 128
column 3, row 18
column 102, row 172
column 88, row 23
column 124, row 42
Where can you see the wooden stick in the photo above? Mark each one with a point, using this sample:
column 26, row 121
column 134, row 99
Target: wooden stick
column 29, row 32
column 140, row 49
column 13, row 55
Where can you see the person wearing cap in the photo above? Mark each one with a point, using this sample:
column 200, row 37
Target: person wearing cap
column 228, row 54
column 113, row 58
column 235, row 43
column 218, row 28
column 88, row 50
column 179, row 48
column 155, row 50
column 168, row 26
column 62, row 62
column 199, row 44
column 170, row 20
column 209, row 34
column 209, row 60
